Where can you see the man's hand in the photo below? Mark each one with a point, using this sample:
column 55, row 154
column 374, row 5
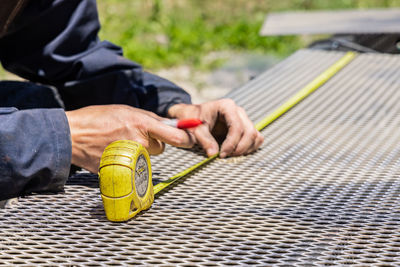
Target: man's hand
column 94, row 127
column 223, row 118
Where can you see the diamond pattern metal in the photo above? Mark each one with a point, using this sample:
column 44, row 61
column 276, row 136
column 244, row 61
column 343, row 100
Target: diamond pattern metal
column 324, row 189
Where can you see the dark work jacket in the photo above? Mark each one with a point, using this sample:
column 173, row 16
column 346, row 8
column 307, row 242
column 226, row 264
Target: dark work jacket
column 55, row 43
column 9, row 10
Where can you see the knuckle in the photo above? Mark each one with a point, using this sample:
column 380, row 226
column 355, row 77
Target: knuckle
column 140, row 124
column 228, row 102
column 258, row 143
column 253, row 135
column 239, row 151
column 237, row 127
column 178, row 140
column 229, row 147
column 240, row 131
column 240, row 109
column 196, row 106
column 260, row 138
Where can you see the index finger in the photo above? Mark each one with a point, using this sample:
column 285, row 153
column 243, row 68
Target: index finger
column 235, row 128
column 170, row 135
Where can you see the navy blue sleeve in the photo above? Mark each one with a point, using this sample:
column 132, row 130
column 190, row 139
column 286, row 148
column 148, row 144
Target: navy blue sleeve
column 35, row 151
column 55, row 42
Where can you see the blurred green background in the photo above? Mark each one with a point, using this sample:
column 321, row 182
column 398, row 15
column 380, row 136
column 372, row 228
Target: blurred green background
column 191, row 41
column 166, row 33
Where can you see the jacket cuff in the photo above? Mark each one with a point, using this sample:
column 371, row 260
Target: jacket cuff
column 63, row 146
column 35, row 151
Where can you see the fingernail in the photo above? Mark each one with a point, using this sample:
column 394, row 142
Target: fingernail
column 211, row 151
column 222, row 155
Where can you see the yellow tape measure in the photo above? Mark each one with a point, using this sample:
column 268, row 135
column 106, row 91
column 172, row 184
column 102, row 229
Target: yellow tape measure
column 125, row 180
column 125, row 170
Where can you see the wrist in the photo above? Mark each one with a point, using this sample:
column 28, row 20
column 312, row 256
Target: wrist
column 175, row 110
column 72, row 129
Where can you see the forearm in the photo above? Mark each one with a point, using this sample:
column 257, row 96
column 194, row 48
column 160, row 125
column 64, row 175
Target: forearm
column 35, row 151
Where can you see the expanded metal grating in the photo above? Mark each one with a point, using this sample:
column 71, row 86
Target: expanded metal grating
column 362, row 21
column 323, row 190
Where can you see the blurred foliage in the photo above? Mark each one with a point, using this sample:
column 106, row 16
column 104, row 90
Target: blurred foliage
column 164, row 33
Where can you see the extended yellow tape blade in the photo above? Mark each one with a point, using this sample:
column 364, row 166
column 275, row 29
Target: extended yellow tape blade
column 307, row 90
column 300, row 95
column 160, row 186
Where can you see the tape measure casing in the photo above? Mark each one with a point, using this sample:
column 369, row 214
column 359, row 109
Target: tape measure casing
column 125, row 180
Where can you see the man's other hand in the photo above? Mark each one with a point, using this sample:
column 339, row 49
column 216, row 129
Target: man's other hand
column 222, row 119
column 94, row 127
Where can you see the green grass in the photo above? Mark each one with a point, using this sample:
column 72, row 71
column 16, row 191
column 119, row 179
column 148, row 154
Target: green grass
column 165, row 33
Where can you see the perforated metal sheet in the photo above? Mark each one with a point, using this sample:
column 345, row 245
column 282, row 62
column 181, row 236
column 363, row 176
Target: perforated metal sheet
column 333, row 22
column 323, row 190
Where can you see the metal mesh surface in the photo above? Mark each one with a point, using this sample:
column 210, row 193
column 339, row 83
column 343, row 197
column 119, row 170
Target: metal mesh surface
column 324, row 188
column 333, row 22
